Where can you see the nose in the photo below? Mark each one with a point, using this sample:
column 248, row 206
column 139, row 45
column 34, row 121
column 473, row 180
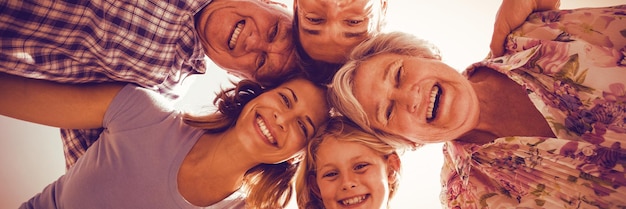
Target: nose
column 348, row 182
column 284, row 118
column 408, row 99
column 256, row 43
column 334, row 33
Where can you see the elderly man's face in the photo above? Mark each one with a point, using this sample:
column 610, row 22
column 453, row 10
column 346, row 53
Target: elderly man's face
column 248, row 38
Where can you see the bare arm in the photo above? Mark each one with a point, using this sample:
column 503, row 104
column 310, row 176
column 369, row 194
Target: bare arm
column 61, row 105
column 511, row 14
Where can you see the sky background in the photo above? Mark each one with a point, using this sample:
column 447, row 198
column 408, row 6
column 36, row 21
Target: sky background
column 31, row 155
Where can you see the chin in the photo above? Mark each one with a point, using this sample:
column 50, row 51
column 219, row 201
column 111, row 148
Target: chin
column 432, row 139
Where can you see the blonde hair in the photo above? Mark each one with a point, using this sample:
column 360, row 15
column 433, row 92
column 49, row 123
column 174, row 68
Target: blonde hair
column 341, row 92
column 341, row 129
column 266, row 185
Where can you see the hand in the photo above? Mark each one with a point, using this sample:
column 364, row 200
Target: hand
column 511, row 14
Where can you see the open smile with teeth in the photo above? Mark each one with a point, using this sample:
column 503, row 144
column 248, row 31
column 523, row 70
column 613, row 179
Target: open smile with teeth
column 265, row 131
column 354, row 200
column 232, row 42
column 435, row 94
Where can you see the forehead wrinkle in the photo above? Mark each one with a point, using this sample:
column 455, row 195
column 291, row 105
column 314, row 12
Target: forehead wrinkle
column 379, row 105
column 379, row 113
column 281, row 67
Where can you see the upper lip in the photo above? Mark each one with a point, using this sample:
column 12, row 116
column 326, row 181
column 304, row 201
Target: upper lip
column 346, row 200
column 266, row 131
column 232, row 40
column 433, row 98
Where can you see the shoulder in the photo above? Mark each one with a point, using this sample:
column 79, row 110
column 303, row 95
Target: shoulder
column 136, row 106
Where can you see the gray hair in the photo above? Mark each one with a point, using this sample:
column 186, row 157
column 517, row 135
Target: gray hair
column 341, row 92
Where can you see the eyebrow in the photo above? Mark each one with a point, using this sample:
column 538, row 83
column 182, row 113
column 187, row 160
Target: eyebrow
column 295, row 98
column 358, row 158
column 308, row 119
column 310, row 31
column 345, row 34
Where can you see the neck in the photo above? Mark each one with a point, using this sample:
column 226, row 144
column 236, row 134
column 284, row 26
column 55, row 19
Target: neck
column 213, row 169
column 505, row 108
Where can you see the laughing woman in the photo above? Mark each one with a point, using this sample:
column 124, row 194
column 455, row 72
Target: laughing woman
column 153, row 156
column 541, row 127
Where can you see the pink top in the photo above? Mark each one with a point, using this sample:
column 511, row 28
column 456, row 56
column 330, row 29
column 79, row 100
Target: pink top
column 572, row 64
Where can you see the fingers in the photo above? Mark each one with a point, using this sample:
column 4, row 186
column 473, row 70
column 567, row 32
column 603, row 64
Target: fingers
column 542, row 5
column 501, row 30
column 498, row 37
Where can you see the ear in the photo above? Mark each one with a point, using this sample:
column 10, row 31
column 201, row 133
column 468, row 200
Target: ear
column 393, row 167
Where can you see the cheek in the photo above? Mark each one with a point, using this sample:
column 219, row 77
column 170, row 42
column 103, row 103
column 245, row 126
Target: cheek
column 327, row 190
column 309, row 42
column 379, row 186
column 297, row 144
column 407, row 124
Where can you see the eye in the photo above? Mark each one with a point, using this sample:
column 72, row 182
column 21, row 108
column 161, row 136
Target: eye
column 389, row 111
column 330, row 174
column 398, row 76
column 261, row 60
column 302, row 126
column 273, row 32
column 314, row 21
column 285, row 100
column 353, row 22
column 361, row 167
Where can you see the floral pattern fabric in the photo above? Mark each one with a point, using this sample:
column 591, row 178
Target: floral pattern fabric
column 572, row 64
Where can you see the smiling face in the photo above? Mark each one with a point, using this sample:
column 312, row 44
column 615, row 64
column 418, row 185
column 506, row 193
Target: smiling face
column 422, row 99
column 351, row 175
column 278, row 123
column 329, row 29
column 248, row 38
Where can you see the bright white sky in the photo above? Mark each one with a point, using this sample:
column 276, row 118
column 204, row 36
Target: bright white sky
column 31, row 155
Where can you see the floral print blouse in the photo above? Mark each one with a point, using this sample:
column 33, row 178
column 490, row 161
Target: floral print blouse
column 572, row 64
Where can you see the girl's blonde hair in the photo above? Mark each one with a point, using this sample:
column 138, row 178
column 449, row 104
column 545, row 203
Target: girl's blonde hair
column 341, row 92
column 341, row 129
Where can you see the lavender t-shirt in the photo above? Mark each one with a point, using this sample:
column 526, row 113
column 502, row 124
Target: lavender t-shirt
column 135, row 162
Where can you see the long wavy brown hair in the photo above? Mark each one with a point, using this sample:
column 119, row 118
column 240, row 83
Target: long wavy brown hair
column 266, row 185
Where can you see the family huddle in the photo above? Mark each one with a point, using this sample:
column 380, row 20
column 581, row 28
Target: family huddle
column 325, row 107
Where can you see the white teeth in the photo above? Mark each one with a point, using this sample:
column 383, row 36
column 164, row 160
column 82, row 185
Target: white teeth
column 434, row 97
column 354, row 200
column 233, row 39
column 265, row 131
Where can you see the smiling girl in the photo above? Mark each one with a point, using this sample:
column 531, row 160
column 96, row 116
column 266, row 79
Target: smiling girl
column 346, row 167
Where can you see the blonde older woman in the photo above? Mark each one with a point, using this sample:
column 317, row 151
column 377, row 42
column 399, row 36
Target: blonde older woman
column 541, row 127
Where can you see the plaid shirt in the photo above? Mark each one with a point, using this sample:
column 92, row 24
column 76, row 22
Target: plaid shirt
column 149, row 43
